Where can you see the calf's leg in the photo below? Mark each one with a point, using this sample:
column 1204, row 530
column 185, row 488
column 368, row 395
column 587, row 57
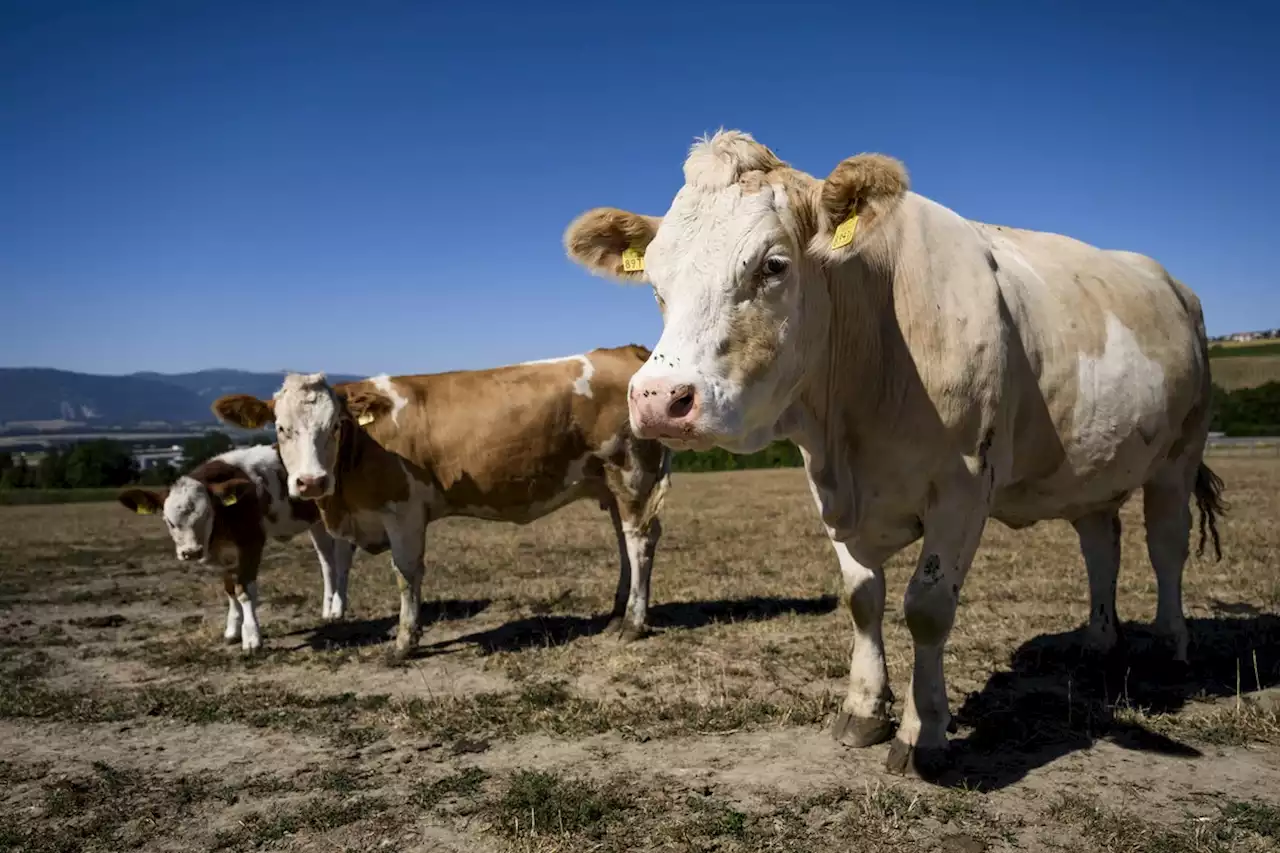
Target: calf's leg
column 234, row 614
column 247, row 595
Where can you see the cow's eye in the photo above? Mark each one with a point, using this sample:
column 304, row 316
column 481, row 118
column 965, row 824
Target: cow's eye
column 775, row 265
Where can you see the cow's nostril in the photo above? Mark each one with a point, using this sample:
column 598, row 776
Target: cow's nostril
column 682, row 405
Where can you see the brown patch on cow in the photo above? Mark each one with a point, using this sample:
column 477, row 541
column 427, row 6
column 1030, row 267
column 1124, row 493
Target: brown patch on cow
column 868, row 184
column 751, row 346
column 597, row 239
column 244, row 410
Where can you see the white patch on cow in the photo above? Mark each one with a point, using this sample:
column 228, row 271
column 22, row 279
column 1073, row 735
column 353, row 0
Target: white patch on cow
column 232, row 632
column 1120, row 391
column 188, row 513
column 582, row 385
column 307, row 427
column 250, row 636
column 398, row 401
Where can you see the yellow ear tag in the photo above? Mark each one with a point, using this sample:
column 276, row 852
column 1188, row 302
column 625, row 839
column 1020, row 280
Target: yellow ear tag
column 229, row 500
column 844, row 232
column 143, row 510
column 365, row 419
column 632, row 260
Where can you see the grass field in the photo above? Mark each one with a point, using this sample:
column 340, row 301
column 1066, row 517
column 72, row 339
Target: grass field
column 126, row 724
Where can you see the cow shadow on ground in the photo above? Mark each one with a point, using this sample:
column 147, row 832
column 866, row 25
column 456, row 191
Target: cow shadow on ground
column 1056, row 698
column 355, row 633
column 553, row 629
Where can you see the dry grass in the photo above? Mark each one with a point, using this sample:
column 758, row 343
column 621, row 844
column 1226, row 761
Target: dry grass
column 1246, row 371
column 520, row 726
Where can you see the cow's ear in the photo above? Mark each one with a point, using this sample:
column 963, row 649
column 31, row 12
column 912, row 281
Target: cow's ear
column 231, row 492
column 142, row 501
column 853, row 201
column 366, row 405
column 611, row 242
column 245, row 410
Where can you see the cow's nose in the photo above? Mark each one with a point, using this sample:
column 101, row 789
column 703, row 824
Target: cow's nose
column 310, row 487
column 190, row 553
column 663, row 409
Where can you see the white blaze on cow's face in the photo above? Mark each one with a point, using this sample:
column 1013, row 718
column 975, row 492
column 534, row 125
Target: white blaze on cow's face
column 725, row 264
column 188, row 513
column 308, row 424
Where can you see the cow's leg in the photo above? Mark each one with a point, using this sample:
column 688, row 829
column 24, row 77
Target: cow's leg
column 1099, row 535
column 638, row 488
column 407, row 532
column 1168, row 520
column 343, row 553
column 640, row 541
column 234, row 614
column 623, row 592
column 323, row 543
column 247, row 595
column 952, row 531
column 864, row 718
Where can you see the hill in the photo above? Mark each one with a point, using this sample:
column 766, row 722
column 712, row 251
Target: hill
column 43, row 398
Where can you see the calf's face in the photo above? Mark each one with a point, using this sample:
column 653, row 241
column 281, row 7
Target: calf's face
column 189, row 510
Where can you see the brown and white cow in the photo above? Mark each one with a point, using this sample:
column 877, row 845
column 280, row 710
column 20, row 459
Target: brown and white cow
column 383, row 457
column 227, row 508
column 935, row 372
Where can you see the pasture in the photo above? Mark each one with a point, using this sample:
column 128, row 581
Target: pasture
column 126, row 724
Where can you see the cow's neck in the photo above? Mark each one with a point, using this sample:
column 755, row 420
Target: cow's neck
column 352, row 447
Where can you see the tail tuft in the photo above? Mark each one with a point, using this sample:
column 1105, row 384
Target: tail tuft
column 1208, row 494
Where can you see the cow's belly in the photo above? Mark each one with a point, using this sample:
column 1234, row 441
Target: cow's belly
column 524, row 512
column 1083, row 484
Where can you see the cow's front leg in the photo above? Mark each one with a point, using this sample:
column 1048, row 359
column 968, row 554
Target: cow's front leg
column 323, row 543
column 407, row 531
column 247, row 595
column 636, row 546
column 234, row 614
column 952, row 531
column 864, row 719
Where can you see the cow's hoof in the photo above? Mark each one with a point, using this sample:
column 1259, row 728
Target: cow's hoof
column 625, row 631
column 232, row 640
column 927, row 763
column 858, row 732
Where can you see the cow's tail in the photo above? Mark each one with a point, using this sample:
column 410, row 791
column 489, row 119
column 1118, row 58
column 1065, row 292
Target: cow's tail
column 1208, row 494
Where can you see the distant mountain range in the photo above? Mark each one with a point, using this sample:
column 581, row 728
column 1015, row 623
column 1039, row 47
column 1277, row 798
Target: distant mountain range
column 37, row 397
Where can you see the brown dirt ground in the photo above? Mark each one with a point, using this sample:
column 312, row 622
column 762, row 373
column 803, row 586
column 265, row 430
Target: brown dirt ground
column 125, row 723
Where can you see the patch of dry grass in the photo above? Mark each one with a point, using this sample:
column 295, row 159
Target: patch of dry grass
column 101, row 629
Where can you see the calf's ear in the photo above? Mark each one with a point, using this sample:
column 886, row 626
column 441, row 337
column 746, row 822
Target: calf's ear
column 366, row 405
column 231, row 492
column 142, row 501
column 853, row 200
column 611, row 242
column 245, row 410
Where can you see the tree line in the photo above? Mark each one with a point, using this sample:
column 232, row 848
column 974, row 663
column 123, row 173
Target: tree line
column 107, row 463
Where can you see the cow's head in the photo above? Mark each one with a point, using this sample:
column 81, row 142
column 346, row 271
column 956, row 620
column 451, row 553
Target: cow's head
column 310, row 417
column 189, row 508
column 737, row 266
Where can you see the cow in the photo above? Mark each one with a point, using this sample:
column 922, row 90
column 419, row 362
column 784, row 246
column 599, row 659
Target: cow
column 226, row 509
column 382, row 457
column 935, row 372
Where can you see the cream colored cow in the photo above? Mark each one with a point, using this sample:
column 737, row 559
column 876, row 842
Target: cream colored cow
column 935, row 372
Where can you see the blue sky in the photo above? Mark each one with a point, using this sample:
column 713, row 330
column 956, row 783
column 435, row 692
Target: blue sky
column 368, row 187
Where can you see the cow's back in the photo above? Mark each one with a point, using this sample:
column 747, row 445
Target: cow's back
column 1113, row 376
column 510, row 436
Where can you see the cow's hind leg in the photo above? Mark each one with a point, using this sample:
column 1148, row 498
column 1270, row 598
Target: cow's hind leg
column 1167, row 513
column 1099, row 535
column 864, row 718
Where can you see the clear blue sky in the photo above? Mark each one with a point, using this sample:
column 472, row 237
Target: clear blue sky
column 367, row 187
